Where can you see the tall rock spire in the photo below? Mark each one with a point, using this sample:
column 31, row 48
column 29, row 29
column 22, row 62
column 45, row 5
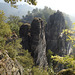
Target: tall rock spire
column 54, row 28
column 38, row 42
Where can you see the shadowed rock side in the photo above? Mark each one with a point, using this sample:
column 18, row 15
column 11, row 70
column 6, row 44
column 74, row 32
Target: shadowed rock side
column 55, row 40
column 33, row 39
column 38, row 42
column 25, row 35
column 8, row 66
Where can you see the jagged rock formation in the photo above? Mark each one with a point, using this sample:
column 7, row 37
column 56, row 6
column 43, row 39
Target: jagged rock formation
column 25, row 35
column 34, row 40
column 55, row 40
column 38, row 42
column 8, row 66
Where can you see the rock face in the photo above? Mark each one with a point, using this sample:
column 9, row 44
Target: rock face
column 8, row 66
column 33, row 39
column 25, row 35
column 55, row 40
column 38, row 42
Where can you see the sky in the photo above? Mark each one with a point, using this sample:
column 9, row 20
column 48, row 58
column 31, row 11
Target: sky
column 66, row 6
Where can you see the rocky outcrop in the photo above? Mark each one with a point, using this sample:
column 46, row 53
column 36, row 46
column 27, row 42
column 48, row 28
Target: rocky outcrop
column 25, row 35
column 33, row 39
column 8, row 66
column 56, row 41
column 38, row 42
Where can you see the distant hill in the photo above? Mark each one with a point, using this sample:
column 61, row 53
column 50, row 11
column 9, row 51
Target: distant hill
column 22, row 10
column 8, row 10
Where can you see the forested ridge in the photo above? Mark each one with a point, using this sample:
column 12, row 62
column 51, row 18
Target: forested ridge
column 19, row 11
column 42, row 42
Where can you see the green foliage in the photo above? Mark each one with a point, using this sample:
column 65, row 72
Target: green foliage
column 51, row 71
column 37, row 71
column 13, row 19
column 14, row 22
column 15, row 50
column 49, row 54
column 70, row 36
column 2, row 43
column 15, row 28
column 68, row 61
column 42, row 13
column 4, row 27
column 24, row 57
column 13, row 47
column 26, row 60
column 11, row 51
column 4, row 30
column 2, row 17
column 66, row 72
column 13, row 2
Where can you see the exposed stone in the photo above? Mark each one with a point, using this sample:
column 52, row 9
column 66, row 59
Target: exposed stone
column 8, row 66
column 33, row 39
column 56, row 41
column 25, row 35
column 38, row 42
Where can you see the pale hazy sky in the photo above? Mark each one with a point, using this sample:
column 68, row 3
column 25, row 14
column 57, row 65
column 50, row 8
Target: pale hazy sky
column 67, row 6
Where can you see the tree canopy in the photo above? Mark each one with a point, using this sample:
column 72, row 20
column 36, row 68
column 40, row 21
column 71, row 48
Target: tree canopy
column 33, row 2
column 42, row 13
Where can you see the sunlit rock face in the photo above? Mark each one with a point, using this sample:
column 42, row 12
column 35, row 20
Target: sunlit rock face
column 25, row 35
column 55, row 40
column 8, row 66
column 38, row 42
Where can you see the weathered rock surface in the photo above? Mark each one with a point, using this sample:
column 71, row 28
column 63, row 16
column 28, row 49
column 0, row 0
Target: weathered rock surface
column 25, row 35
column 38, row 42
column 8, row 66
column 55, row 40
column 33, row 39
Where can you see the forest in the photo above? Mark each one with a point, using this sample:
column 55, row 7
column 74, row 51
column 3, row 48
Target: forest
column 42, row 42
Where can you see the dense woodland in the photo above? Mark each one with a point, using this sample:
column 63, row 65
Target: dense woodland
column 11, row 25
